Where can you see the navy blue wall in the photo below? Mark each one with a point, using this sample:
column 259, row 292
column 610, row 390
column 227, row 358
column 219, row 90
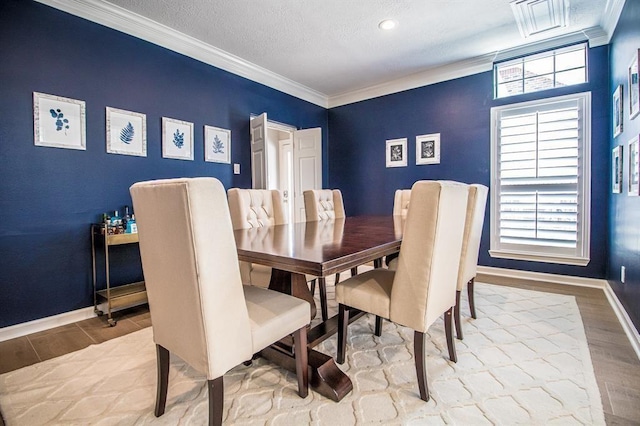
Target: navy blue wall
column 624, row 210
column 460, row 111
column 49, row 196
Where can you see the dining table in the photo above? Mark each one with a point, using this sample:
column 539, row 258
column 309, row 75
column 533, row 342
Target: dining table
column 320, row 249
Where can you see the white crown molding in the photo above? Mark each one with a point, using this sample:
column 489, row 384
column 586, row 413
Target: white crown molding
column 120, row 19
column 420, row 79
column 611, row 15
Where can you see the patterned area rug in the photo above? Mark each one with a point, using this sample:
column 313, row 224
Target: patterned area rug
column 524, row 360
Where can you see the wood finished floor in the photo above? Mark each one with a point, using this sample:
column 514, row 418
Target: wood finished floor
column 616, row 366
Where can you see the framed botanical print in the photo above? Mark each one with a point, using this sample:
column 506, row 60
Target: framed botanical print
column 59, row 122
column 217, row 145
column 397, row 152
column 177, row 139
column 634, row 167
column 617, row 111
column 126, row 132
column 634, row 86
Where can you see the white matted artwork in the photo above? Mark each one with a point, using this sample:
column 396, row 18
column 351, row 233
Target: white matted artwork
column 634, row 167
column 616, row 169
column 397, row 152
column 126, row 132
column 617, row 111
column 59, row 122
column 217, row 145
column 177, row 139
column 634, row 86
column 428, row 149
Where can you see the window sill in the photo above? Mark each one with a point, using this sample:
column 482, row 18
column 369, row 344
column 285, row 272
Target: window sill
column 539, row 257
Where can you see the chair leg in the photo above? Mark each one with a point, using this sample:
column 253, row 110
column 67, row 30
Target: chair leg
column 377, row 263
column 456, row 312
column 448, row 330
column 378, row 330
column 162, row 356
column 354, row 271
column 337, row 277
column 313, row 286
column 343, row 322
column 322, row 284
column 421, row 367
column 216, row 400
column 301, row 355
column 472, row 302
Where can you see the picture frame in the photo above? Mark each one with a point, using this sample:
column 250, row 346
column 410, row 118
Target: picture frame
column 177, row 139
column 634, row 166
column 126, row 132
column 616, row 169
column 59, row 122
column 217, row 145
column 396, row 152
column 428, row 149
column 634, row 87
column 617, row 111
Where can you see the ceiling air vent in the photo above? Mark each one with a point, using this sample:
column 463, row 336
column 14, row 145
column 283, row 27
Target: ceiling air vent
column 536, row 16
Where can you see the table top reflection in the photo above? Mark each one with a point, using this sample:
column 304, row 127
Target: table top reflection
column 321, row 248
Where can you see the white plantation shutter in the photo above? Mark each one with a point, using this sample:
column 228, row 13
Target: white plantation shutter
column 540, row 168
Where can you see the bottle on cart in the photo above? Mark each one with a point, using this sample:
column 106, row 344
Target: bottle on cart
column 132, row 228
column 116, row 222
column 126, row 219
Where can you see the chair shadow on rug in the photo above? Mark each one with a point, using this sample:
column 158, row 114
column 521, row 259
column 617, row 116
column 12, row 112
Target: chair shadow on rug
column 199, row 308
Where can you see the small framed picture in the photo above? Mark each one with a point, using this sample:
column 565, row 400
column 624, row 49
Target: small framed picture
column 397, row 152
column 428, row 149
column 177, row 139
column 59, row 122
column 634, row 167
column 634, row 87
column 126, row 132
column 616, row 168
column 217, row 145
column 617, row 111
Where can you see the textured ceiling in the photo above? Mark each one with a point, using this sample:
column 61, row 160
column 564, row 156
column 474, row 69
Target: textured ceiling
column 335, row 47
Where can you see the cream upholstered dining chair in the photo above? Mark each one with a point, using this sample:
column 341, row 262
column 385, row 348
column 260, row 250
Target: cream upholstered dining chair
column 470, row 249
column 323, row 205
column 424, row 285
column 401, row 201
column 200, row 311
column 254, row 208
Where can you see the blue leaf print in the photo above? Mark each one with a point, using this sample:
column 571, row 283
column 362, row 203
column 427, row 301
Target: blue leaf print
column 127, row 133
column 60, row 123
column 218, row 146
column 178, row 139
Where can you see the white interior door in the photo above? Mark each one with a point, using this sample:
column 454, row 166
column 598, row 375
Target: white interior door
column 307, row 166
column 285, row 176
column 259, row 151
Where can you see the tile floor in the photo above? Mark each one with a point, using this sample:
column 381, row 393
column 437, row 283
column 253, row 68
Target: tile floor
column 617, row 368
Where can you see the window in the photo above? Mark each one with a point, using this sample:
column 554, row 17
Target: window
column 540, row 169
column 547, row 70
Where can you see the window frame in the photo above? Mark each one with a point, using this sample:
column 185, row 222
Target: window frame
column 542, row 253
column 536, row 56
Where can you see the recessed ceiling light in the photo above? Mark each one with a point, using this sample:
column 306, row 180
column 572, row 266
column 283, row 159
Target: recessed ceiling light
column 387, row 24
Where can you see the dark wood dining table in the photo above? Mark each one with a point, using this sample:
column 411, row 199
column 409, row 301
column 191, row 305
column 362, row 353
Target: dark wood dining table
column 320, row 249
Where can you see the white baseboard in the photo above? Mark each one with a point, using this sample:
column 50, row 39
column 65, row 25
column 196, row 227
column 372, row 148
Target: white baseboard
column 42, row 324
column 623, row 317
column 625, row 321
column 540, row 276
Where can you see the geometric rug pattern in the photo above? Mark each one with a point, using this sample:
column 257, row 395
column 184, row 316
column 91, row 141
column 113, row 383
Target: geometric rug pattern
column 525, row 360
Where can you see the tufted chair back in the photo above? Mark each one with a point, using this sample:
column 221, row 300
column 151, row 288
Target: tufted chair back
column 255, row 208
column 401, row 202
column 323, row 204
